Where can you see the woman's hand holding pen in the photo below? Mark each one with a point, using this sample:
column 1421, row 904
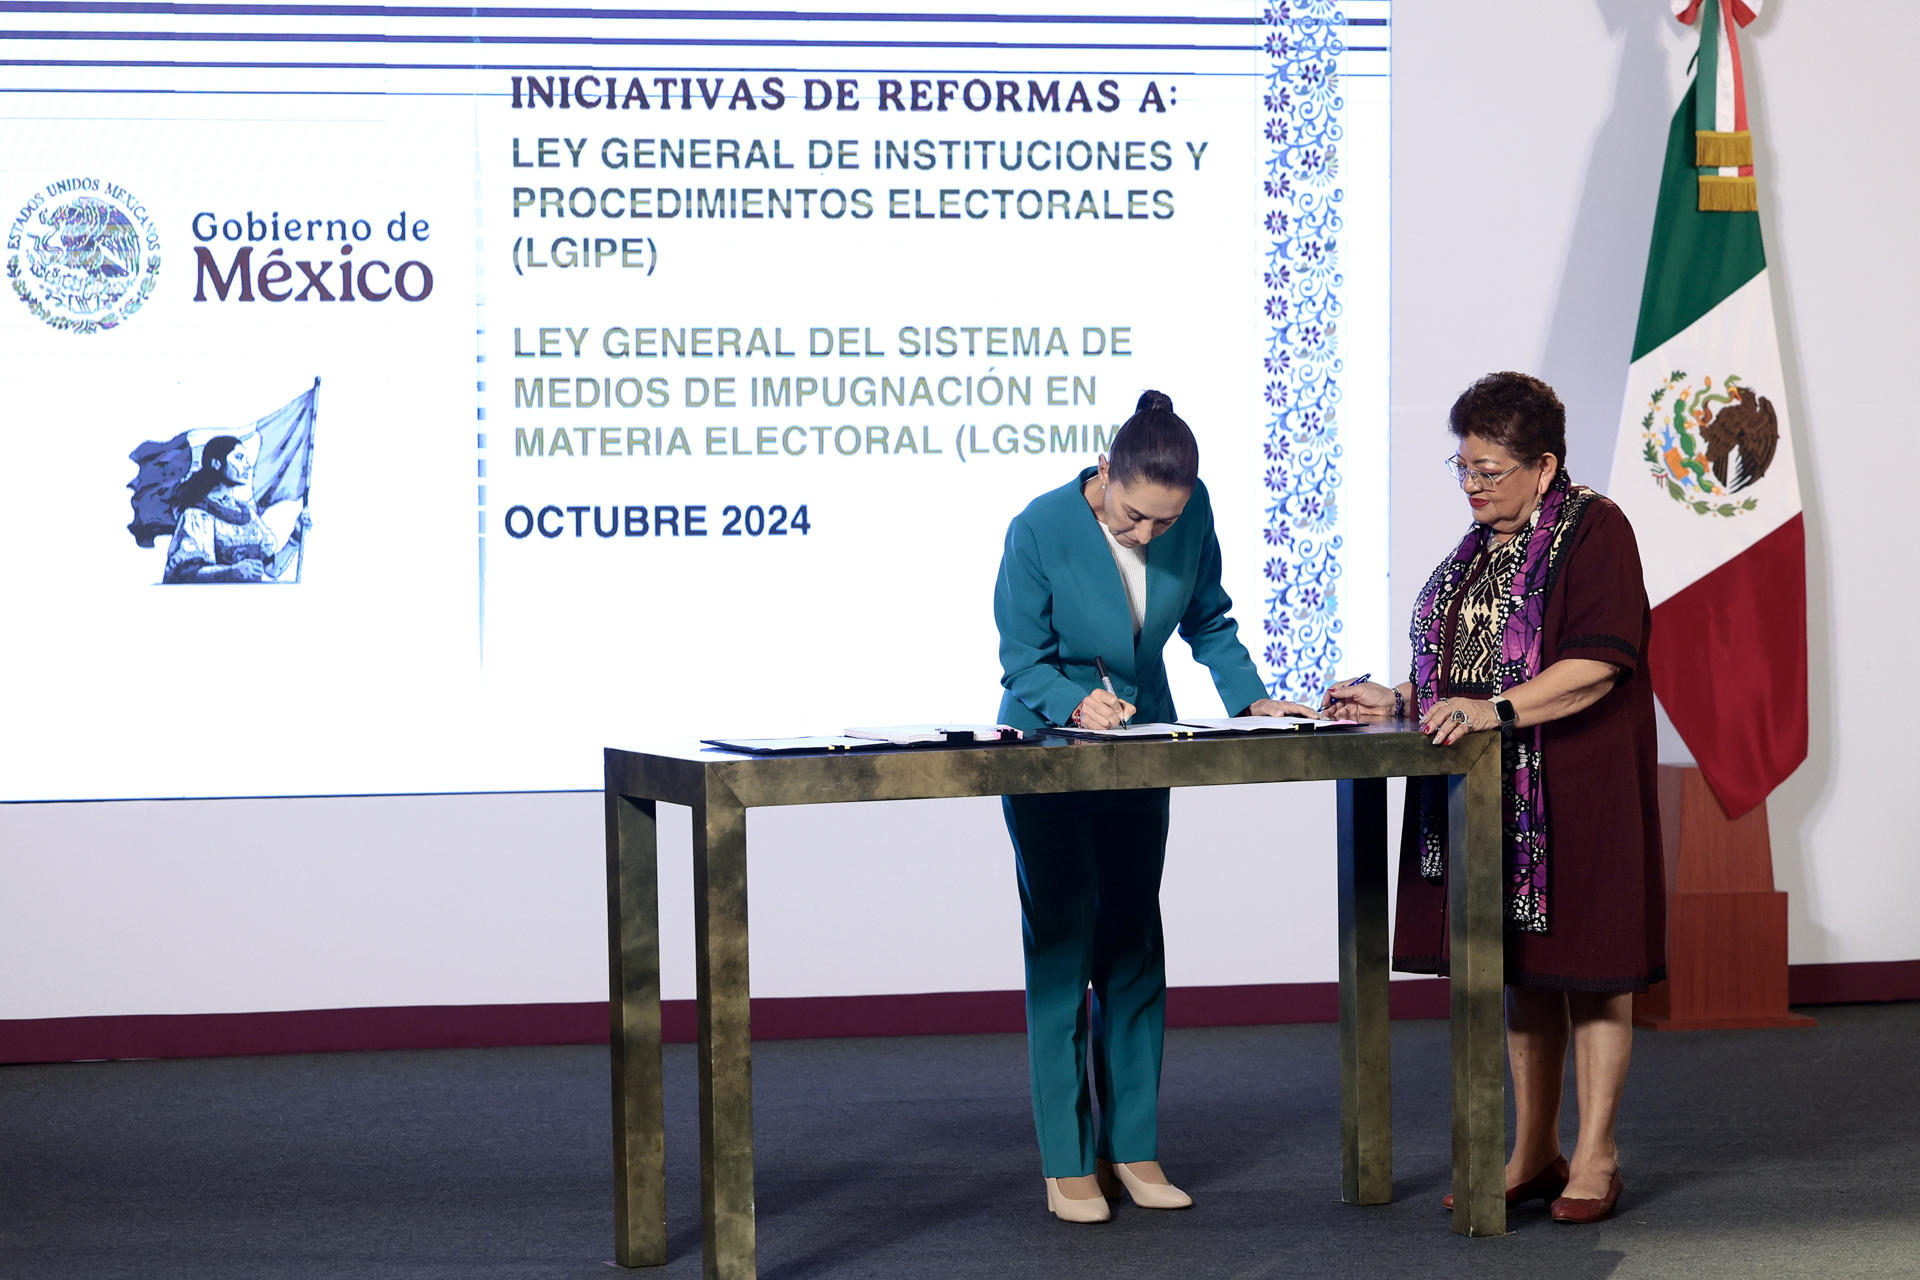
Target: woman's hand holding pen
column 1359, row 700
column 1102, row 710
column 1116, row 705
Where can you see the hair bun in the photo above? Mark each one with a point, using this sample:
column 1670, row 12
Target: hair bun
column 1153, row 402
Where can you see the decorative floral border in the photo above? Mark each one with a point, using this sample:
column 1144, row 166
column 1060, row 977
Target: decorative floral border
column 1300, row 206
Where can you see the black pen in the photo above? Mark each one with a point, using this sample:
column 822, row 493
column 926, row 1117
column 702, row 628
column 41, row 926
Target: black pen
column 1100, row 665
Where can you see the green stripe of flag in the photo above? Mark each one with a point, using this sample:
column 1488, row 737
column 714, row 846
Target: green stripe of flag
column 1698, row 259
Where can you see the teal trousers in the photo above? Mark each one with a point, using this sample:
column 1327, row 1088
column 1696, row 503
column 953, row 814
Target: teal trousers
column 1089, row 866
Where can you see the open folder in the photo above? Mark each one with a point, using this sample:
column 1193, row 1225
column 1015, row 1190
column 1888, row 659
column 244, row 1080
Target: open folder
column 1268, row 724
column 954, row 735
column 873, row 739
column 1209, row 728
column 790, row 746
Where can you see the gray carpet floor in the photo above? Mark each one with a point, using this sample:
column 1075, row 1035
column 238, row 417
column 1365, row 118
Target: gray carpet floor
column 1746, row 1154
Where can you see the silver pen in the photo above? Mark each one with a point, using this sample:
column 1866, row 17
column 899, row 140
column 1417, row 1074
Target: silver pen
column 1100, row 665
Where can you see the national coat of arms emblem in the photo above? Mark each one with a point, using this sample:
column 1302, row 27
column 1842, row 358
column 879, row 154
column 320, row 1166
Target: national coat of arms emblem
column 1705, row 445
column 83, row 255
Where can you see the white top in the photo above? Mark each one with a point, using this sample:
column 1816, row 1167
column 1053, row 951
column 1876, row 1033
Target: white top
column 1132, row 562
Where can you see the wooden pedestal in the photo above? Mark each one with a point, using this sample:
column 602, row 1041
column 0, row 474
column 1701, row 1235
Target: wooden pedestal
column 1726, row 923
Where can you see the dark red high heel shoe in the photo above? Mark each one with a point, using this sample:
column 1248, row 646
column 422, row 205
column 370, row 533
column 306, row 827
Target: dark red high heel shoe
column 1566, row 1209
column 1543, row 1186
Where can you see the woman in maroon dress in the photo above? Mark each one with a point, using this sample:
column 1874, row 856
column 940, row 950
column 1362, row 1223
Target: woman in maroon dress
column 1536, row 625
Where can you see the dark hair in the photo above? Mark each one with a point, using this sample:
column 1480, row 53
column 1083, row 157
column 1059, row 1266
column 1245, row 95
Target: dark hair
column 1155, row 445
column 194, row 489
column 1516, row 411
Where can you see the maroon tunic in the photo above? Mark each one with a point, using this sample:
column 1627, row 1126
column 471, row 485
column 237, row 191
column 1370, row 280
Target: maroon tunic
column 1606, row 899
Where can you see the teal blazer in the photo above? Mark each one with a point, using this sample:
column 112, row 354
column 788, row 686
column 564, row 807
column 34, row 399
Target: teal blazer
column 1060, row 602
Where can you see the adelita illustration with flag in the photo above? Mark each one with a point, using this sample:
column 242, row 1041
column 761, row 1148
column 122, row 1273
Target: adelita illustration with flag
column 232, row 503
column 1704, row 463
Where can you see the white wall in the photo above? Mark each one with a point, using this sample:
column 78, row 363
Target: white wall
column 249, row 905
column 1526, row 154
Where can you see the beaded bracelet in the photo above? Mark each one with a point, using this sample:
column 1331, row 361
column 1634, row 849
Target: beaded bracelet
column 1399, row 704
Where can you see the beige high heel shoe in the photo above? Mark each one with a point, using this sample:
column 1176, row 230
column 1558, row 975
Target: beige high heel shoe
column 1147, row 1195
column 1067, row 1209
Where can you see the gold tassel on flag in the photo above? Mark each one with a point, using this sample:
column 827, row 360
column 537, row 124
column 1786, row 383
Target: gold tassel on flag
column 1714, row 150
column 1728, row 195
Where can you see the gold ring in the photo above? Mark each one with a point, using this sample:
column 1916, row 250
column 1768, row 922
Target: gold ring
column 1459, row 715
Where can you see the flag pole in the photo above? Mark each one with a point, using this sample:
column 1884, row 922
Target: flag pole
column 306, row 479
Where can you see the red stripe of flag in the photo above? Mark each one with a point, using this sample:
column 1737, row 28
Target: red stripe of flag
column 1732, row 667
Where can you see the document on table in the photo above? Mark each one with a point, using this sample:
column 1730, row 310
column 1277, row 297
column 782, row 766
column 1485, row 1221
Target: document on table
column 1268, row 724
column 789, row 746
column 1148, row 730
column 1209, row 728
column 913, row 735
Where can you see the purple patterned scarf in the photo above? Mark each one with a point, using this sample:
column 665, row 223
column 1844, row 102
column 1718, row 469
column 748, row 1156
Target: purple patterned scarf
column 1523, row 606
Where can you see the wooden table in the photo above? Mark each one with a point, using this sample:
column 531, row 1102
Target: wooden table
column 721, row 786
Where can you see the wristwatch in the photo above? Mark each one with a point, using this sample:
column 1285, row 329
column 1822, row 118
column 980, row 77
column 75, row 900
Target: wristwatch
column 1503, row 709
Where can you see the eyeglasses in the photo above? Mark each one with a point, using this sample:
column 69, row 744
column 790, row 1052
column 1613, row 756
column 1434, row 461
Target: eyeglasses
column 1461, row 473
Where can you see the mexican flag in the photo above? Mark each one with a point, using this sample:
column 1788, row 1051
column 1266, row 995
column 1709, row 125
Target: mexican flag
column 1704, row 463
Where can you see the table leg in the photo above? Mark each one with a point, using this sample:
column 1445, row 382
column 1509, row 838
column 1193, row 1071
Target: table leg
column 1366, row 1087
column 726, row 1047
column 633, row 954
column 1477, row 911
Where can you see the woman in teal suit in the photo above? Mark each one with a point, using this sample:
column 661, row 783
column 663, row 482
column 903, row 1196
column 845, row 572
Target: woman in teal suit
column 1104, row 569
